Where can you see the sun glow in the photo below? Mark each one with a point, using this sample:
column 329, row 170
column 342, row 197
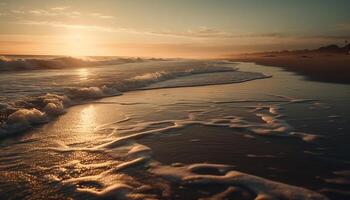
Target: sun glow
column 87, row 119
column 78, row 43
column 83, row 73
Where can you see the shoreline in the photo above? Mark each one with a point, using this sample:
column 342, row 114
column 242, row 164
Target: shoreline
column 322, row 67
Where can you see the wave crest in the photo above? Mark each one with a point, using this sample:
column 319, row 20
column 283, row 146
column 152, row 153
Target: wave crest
column 18, row 64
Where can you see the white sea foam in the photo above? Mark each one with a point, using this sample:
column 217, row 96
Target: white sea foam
column 55, row 104
column 271, row 125
column 138, row 156
column 43, row 109
column 115, row 183
column 257, row 186
column 307, row 137
column 130, row 157
column 206, row 79
column 22, row 119
column 27, row 116
column 342, row 178
column 93, row 92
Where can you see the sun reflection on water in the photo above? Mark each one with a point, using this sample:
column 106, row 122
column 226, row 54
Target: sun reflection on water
column 83, row 74
column 87, row 121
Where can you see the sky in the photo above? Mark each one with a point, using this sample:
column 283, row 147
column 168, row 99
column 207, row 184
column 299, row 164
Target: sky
column 169, row 28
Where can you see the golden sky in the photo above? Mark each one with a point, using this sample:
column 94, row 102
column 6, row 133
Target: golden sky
column 169, row 28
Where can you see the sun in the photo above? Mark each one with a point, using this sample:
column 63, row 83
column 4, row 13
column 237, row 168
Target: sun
column 78, row 43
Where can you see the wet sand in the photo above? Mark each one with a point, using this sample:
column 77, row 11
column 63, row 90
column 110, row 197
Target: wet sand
column 325, row 67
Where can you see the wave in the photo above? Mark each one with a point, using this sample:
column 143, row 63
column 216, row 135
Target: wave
column 18, row 64
column 21, row 114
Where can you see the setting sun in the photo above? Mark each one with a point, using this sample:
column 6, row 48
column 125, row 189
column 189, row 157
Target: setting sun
column 78, row 43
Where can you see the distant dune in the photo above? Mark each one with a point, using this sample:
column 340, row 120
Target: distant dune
column 329, row 63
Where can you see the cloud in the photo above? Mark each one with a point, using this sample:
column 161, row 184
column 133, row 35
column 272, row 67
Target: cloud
column 201, row 33
column 18, row 11
column 72, row 14
column 65, row 25
column 60, row 8
column 329, row 37
column 101, row 16
column 76, row 13
column 42, row 13
column 208, row 33
column 49, row 13
column 343, row 26
column 57, row 24
column 61, row 11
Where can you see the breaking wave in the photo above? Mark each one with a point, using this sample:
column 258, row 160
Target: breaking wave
column 17, row 64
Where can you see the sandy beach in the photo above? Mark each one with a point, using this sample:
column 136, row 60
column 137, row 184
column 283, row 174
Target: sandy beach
column 327, row 67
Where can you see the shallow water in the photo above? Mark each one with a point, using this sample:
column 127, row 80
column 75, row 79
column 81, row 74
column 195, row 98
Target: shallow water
column 218, row 141
column 30, row 97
